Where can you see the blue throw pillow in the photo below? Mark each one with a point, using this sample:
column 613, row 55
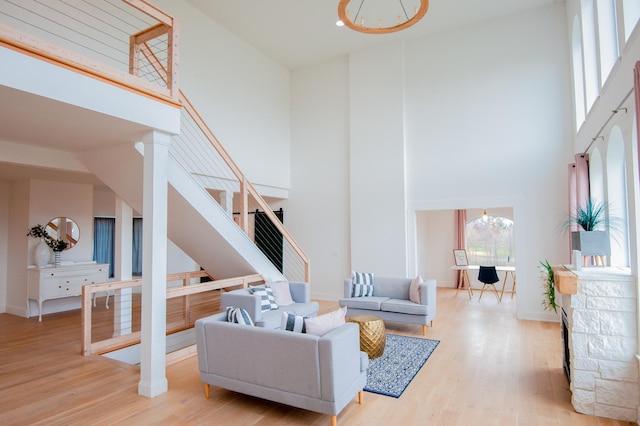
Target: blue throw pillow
column 362, row 284
column 238, row 316
column 292, row 322
column 267, row 301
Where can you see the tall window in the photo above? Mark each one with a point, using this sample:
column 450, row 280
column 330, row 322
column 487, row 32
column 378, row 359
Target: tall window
column 578, row 73
column 490, row 241
column 631, row 12
column 589, row 50
column 617, row 191
column 607, row 36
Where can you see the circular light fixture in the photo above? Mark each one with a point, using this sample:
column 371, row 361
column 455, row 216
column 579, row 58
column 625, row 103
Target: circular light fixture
column 388, row 19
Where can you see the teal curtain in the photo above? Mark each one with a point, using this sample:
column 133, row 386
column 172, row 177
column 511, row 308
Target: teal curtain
column 136, row 264
column 103, row 238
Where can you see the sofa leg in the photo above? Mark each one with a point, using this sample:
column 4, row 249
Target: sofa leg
column 207, row 390
column 334, row 420
column 424, row 330
column 360, row 396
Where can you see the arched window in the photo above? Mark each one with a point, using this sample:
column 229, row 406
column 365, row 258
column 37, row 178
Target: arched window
column 589, row 51
column 596, row 177
column 631, row 13
column 490, row 241
column 578, row 72
column 617, row 198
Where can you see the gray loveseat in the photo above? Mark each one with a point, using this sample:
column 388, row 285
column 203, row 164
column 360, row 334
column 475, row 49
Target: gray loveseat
column 390, row 301
column 242, row 298
column 321, row 374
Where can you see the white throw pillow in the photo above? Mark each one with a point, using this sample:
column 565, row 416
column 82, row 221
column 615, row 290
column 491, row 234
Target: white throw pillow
column 414, row 289
column 281, row 293
column 292, row 322
column 322, row 324
column 267, row 301
column 238, row 316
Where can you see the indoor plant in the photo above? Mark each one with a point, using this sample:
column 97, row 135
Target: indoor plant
column 593, row 239
column 546, row 274
column 41, row 256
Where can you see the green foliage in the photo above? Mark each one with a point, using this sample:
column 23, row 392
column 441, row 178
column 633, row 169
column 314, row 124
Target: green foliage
column 546, row 274
column 39, row 231
column 592, row 217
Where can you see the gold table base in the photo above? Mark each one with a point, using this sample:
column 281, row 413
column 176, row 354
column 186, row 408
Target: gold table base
column 373, row 336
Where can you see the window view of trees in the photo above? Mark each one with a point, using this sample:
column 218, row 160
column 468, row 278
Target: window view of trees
column 490, row 241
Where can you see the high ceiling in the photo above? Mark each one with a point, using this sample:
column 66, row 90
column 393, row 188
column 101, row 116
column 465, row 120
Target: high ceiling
column 297, row 33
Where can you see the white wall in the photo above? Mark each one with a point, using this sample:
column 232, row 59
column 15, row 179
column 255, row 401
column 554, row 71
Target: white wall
column 243, row 95
column 318, row 209
column 377, row 160
column 486, row 124
column 435, row 237
column 37, row 201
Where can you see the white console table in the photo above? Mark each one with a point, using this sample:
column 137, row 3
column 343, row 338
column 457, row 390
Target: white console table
column 49, row 283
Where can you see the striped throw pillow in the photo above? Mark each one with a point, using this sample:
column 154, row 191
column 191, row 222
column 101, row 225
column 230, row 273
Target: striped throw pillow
column 362, row 284
column 267, row 301
column 292, row 322
column 238, row 316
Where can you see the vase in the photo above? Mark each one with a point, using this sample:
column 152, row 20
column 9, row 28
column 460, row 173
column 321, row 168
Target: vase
column 41, row 253
column 56, row 257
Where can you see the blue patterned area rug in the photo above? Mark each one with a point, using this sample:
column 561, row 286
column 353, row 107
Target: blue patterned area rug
column 402, row 359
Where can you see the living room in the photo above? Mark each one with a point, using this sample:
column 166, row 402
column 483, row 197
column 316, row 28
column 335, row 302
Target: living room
column 320, row 135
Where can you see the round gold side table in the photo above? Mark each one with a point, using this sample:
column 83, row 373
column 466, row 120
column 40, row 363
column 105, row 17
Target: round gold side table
column 373, row 336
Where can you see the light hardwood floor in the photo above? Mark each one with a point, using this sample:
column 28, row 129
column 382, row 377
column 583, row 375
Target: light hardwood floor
column 489, row 369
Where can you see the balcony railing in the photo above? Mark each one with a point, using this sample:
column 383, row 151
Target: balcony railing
column 106, row 328
column 133, row 44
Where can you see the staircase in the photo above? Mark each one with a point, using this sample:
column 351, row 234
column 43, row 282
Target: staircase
column 143, row 99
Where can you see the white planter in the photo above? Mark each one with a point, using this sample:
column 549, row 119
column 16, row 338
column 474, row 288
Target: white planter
column 591, row 243
column 41, row 253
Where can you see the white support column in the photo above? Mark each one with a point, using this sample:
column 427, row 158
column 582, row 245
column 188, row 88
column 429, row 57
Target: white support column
column 124, row 234
column 122, row 299
column 226, row 201
column 153, row 380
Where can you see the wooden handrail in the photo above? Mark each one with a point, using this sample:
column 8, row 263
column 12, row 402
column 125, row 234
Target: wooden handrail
column 41, row 49
column 187, row 289
column 246, row 188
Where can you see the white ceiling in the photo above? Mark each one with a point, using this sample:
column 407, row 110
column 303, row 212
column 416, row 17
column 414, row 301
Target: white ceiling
column 297, row 33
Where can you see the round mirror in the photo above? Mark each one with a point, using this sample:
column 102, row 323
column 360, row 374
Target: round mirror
column 65, row 229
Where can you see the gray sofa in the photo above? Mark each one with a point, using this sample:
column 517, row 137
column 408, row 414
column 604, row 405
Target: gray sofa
column 390, row 301
column 242, row 298
column 321, row 374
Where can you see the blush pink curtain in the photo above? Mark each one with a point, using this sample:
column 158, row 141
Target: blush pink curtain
column 578, row 187
column 461, row 238
column 582, row 180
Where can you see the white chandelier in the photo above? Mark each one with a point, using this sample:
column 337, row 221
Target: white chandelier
column 381, row 16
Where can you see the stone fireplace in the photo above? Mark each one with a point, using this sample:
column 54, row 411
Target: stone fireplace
column 602, row 337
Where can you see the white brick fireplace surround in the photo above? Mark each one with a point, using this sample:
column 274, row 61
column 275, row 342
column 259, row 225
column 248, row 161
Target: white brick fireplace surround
column 603, row 344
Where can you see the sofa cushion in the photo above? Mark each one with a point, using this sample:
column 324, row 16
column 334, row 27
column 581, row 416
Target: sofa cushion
column 363, row 277
column 414, row 289
column 362, row 290
column 238, row 316
column 322, row 324
column 403, row 307
column 292, row 322
column 281, row 292
column 267, row 301
column 273, row 318
column 372, row 303
column 393, row 288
